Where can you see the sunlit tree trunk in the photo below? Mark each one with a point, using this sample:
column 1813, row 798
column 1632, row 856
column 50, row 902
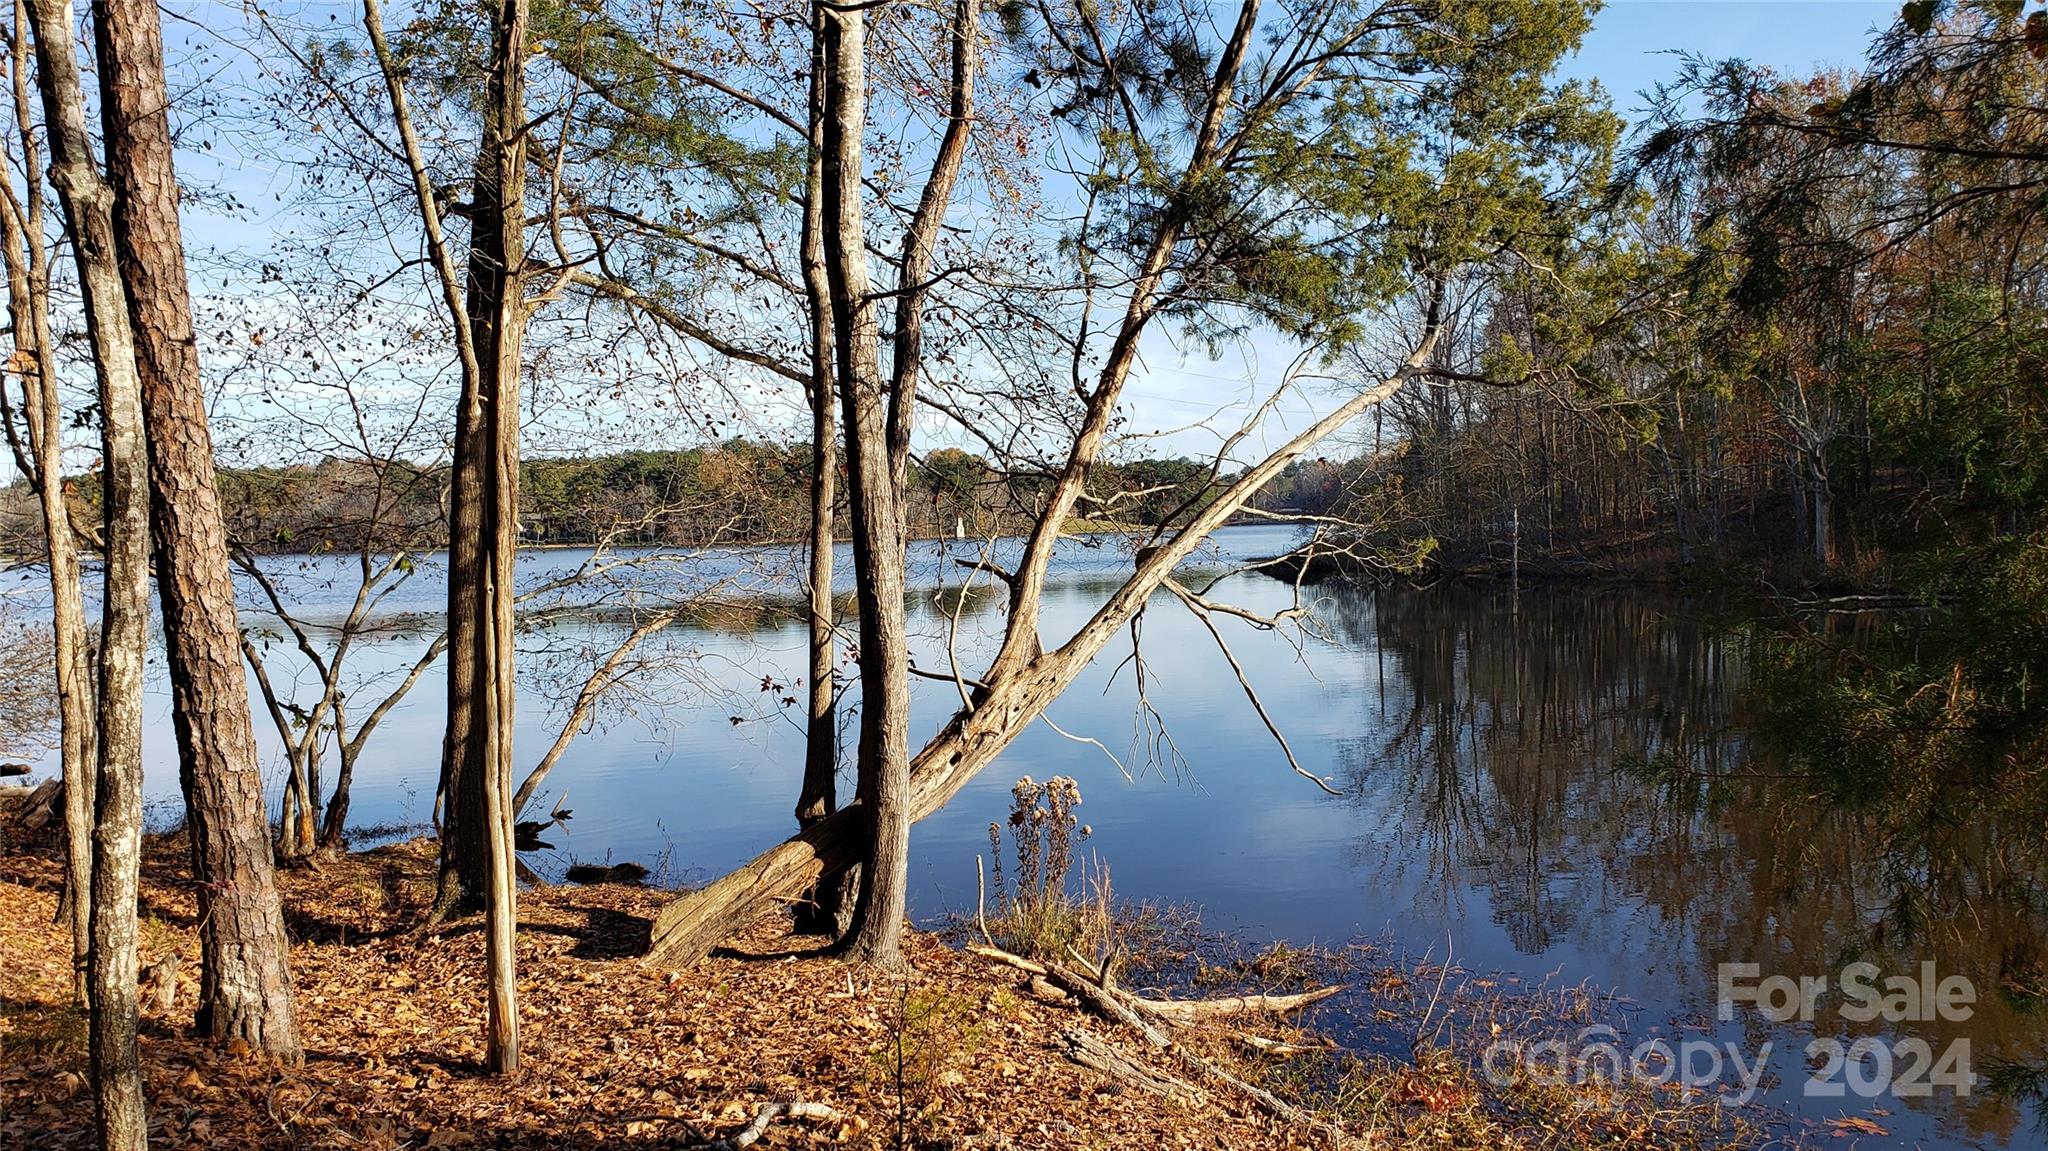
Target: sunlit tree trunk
column 124, row 628
column 245, row 989
column 822, row 913
column 497, row 311
column 489, row 314
column 41, row 459
column 884, row 756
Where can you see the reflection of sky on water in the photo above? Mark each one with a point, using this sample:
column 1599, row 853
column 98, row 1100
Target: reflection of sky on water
column 1481, row 751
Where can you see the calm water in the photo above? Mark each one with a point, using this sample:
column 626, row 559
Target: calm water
column 1491, row 755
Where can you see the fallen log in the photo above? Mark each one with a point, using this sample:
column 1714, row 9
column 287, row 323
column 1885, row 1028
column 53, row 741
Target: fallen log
column 989, row 951
column 1196, row 1010
column 1176, row 1011
column 1097, row 1055
column 1106, row 1002
column 1265, row 1046
column 751, row 1134
column 1115, row 1004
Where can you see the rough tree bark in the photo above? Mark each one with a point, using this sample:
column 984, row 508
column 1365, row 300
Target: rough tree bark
column 484, row 493
column 41, row 459
column 878, row 419
column 245, row 989
column 124, row 628
column 489, row 319
column 883, row 786
column 824, row 911
column 497, row 313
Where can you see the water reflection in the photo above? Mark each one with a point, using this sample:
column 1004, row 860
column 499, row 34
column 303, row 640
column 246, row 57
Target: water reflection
column 1600, row 775
column 1624, row 788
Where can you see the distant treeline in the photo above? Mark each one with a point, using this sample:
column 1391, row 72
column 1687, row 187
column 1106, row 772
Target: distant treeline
column 738, row 491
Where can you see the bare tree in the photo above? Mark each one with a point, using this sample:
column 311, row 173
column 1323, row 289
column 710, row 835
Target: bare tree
column 489, row 312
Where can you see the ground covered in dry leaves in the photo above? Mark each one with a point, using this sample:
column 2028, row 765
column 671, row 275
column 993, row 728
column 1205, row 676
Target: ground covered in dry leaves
column 619, row 1054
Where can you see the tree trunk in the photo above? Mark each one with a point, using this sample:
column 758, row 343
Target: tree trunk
column 884, row 759
column 483, row 500
column 825, row 910
column 1823, row 545
column 116, row 827
column 245, row 989
column 920, row 241
column 294, row 824
column 497, row 311
column 334, row 827
column 28, row 299
column 464, row 849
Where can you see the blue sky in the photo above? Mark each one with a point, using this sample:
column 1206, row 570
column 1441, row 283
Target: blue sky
column 1629, row 50
column 1625, row 50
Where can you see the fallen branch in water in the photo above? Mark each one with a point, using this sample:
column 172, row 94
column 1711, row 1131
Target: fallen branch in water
column 750, row 1134
column 1265, row 1046
column 1178, row 1011
column 1192, row 1010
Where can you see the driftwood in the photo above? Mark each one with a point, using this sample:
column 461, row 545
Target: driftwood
column 990, row 951
column 1194, row 1010
column 1097, row 1055
column 1106, row 1002
column 1122, row 1007
column 1265, row 1046
column 1268, row 1102
column 1177, row 1011
column 35, row 807
column 750, row 1134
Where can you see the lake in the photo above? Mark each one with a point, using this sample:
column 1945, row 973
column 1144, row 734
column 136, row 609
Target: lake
column 1562, row 786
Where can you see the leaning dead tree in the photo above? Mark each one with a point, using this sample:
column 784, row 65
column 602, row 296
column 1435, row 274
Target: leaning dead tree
column 1364, row 156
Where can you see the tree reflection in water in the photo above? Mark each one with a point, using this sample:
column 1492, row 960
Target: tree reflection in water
column 1785, row 792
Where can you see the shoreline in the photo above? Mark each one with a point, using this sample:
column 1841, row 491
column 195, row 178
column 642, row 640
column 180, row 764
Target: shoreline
column 960, row 1052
